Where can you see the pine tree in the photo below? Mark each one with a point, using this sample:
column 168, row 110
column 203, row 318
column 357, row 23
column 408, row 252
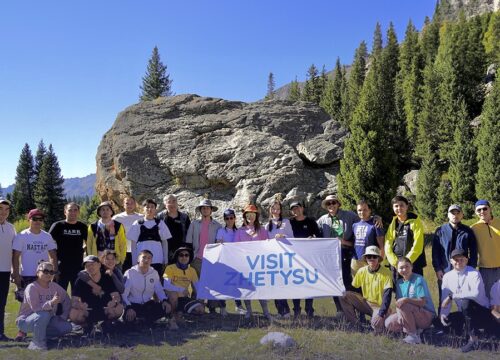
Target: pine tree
column 311, row 90
column 23, row 187
column 463, row 164
column 89, row 208
column 488, row 148
column 270, row 87
column 355, row 83
column 49, row 190
column 429, row 40
column 443, row 201
column 427, row 184
column 157, row 81
column 39, row 157
column 294, row 93
column 331, row 101
column 491, row 40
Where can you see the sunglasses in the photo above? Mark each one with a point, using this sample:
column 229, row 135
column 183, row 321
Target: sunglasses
column 49, row 272
column 482, row 209
column 328, row 203
column 183, row 255
column 371, row 256
column 36, row 219
column 229, row 218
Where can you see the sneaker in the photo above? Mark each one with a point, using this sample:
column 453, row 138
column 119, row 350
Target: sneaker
column 268, row 316
column 21, row 336
column 173, row 325
column 240, row 310
column 248, row 315
column 471, row 345
column 34, row 346
column 286, row 316
column 4, row 337
column 412, row 339
column 223, row 312
column 296, row 315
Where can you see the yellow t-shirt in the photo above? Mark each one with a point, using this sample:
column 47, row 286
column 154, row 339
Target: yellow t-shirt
column 373, row 284
column 488, row 243
column 181, row 278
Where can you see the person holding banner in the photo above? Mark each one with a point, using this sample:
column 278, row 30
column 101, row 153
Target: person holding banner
column 226, row 234
column 279, row 228
column 375, row 282
column 252, row 231
column 302, row 227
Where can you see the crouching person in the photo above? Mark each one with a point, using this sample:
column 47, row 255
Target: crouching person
column 45, row 308
column 100, row 302
column 141, row 283
column 375, row 282
column 180, row 279
column 414, row 307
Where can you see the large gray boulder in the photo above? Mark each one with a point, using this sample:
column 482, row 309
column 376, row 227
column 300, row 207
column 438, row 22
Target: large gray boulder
column 231, row 152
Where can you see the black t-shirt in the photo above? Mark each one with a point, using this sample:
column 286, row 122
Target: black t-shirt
column 304, row 228
column 177, row 230
column 70, row 239
column 84, row 291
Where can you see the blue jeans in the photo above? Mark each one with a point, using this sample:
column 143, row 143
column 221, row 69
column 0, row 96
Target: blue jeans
column 44, row 324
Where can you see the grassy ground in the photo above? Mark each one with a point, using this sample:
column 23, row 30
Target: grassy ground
column 211, row 337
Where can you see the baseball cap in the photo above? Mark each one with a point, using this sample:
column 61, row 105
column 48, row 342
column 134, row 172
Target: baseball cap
column 454, row 207
column 482, row 203
column 35, row 212
column 295, row 203
column 458, row 252
column 90, row 258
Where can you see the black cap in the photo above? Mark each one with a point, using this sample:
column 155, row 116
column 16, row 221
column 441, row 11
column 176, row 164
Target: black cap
column 458, row 252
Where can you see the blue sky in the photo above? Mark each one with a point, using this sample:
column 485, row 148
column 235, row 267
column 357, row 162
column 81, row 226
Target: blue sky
column 69, row 67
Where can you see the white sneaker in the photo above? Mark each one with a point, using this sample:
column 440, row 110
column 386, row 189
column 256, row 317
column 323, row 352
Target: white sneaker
column 240, row 310
column 223, row 312
column 412, row 339
column 34, row 346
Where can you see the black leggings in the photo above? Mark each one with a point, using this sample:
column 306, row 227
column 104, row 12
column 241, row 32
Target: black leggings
column 4, row 292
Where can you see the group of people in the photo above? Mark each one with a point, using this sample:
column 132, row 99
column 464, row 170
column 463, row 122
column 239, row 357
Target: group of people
column 131, row 266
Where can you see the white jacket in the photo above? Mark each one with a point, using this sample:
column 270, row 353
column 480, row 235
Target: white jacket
column 139, row 287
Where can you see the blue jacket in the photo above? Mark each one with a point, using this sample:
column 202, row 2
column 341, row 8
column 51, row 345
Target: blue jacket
column 441, row 246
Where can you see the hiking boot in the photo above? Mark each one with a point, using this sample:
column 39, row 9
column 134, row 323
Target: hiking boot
column 4, row 337
column 470, row 346
column 21, row 336
column 269, row 317
column 35, row 346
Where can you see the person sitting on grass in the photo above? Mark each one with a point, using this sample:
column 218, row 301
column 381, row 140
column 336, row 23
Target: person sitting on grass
column 108, row 261
column 180, row 279
column 89, row 307
column 414, row 307
column 464, row 284
column 141, row 284
column 45, row 308
column 375, row 282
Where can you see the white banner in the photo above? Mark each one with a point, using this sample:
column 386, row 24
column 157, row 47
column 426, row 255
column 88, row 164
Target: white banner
column 271, row 269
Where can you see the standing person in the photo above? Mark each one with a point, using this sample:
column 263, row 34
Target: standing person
column 39, row 312
column 107, row 233
column 127, row 218
column 375, row 282
column 405, row 237
column 178, row 223
column 89, row 307
column 279, row 228
column 487, row 231
column 7, row 235
column 337, row 224
column 252, row 230
column 142, row 283
column 465, row 285
column 70, row 236
column 302, row 227
column 495, row 301
column 365, row 234
column 150, row 234
column 448, row 237
column 226, row 235
column 414, row 307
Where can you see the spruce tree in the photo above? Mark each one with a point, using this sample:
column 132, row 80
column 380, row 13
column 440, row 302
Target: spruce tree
column 156, row 82
column 492, row 39
column 429, row 39
column 23, row 187
column 443, row 201
column 427, row 184
column 49, row 190
column 39, row 157
column 463, row 164
column 294, row 93
column 331, row 100
column 488, row 148
column 355, row 83
column 270, row 87
column 312, row 89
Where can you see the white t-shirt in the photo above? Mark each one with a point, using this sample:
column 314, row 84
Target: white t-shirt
column 33, row 248
column 127, row 220
column 159, row 249
column 7, row 235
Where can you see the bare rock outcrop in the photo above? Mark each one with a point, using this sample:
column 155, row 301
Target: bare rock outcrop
column 231, row 152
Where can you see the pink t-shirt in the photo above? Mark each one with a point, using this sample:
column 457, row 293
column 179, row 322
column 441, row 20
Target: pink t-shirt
column 203, row 237
column 245, row 233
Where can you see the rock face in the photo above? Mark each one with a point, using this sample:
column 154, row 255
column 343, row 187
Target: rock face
column 450, row 9
column 231, row 152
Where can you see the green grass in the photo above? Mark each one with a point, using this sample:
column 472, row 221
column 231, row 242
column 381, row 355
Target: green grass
column 211, row 337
